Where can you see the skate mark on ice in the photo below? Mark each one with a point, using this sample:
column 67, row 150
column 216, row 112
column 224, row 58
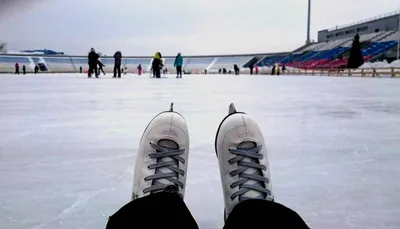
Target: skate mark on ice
column 66, row 162
column 79, row 203
column 323, row 166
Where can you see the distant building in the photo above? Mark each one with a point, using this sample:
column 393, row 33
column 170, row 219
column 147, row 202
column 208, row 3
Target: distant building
column 386, row 22
column 43, row 51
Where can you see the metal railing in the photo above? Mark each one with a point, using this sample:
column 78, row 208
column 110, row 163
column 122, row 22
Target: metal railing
column 365, row 72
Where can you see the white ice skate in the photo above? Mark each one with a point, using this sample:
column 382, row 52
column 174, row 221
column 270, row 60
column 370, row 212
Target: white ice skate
column 243, row 160
column 162, row 156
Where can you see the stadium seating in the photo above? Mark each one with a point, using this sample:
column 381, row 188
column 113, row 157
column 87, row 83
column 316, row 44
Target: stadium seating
column 198, row 64
column 59, row 64
column 169, row 64
column 375, row 49
column 131, row 64
column 270, row 60
column 228, row 62
column 394, row 36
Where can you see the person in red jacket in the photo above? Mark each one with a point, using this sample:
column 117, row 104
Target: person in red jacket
column 139, row 68
column 256, row 70
column 17, row 68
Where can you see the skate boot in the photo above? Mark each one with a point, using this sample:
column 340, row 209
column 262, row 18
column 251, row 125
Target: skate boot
column 162, row 156
column 243, row 160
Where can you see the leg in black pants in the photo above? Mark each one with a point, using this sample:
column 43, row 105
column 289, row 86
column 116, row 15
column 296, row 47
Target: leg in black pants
column 117, row 68
column 157, row 72
column 93, row 69
column 102, row 70
column 90, row 71
column 179, row 72
column 161, row 210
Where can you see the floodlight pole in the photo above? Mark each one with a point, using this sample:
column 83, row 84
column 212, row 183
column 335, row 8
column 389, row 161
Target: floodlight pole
column 309, row 22
column 398, row 40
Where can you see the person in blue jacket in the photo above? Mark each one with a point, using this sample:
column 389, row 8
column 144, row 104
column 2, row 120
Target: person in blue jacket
column 178, row 64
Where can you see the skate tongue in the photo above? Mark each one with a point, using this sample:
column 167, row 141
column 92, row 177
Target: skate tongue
column 247, row 145
column 168, row 144
column 251, row 194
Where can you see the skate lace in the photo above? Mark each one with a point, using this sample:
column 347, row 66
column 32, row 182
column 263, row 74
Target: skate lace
column 160, row 154
column 244, row 187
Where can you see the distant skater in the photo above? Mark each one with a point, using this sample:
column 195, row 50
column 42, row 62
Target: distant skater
column 283, row 69
column 117, row 64
column 93, row 57
column 16, row 68
column 236, row 69
column 256, row 70
column 36, row 69
column 23, row 69
column 157, row 64
column 139, row 70
column 178, row 64
column 278, row 69
column 80, row 69
column 101, row 65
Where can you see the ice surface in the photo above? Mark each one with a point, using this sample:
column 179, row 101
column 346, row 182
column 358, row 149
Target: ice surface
column 68, row 144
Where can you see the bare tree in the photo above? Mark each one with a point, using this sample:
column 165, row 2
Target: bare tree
column 9, row 7
column 3, row 47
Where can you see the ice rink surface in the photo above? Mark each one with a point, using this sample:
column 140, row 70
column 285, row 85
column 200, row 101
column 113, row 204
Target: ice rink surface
column 68, row 145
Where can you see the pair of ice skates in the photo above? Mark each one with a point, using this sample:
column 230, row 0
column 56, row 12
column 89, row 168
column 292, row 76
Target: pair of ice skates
column 163, row 153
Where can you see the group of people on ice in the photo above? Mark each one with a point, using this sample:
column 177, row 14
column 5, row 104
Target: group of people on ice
column 96, row 66
column 158, row 64
column 36, row 69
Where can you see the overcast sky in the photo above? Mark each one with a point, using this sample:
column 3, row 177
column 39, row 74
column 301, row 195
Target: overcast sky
column 142, row 27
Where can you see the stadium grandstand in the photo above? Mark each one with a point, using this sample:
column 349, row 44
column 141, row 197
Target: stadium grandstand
column 379, row 37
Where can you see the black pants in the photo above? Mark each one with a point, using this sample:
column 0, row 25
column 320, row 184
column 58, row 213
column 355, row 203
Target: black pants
column 179, row 71
column 156, row 72
column 17, row 71
column 167, row 210
column 92, row 69
column 117, row 68
column 101, row 70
